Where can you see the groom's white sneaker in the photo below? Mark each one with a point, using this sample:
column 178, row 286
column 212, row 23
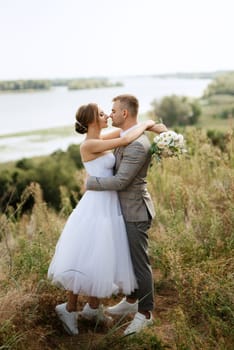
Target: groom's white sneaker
column 69, row 319
column 138, row 323
column 123, row 308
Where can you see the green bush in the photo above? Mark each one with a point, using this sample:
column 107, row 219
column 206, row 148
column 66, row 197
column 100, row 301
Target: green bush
column 73, row 152
column 59, row 170
column 218, row 138
column 221, row 85
column 175, row 110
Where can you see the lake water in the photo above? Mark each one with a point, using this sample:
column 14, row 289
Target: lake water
column 42, row 110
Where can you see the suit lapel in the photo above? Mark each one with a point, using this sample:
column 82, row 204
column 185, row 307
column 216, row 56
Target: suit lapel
column 118, row 156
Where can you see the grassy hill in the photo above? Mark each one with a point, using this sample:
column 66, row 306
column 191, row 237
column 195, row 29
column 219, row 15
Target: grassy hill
column 191, row 250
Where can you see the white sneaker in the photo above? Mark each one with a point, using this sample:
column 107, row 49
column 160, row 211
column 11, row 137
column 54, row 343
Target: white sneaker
column 123, row 308
column 69, row 319
column 97, row 314
column 138, row 323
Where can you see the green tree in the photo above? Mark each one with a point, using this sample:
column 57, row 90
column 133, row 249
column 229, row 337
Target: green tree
column 54, row 172
column 221, row 85
column 177, row 110
column 73, row 152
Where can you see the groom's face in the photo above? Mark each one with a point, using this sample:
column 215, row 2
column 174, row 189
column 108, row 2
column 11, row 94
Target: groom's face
column 117, row 115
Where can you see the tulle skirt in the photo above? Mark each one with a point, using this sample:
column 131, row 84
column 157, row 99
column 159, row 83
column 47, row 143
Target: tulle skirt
column 92, row 255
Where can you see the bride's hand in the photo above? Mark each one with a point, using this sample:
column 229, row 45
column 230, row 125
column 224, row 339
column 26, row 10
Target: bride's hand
column 149, row 124
column 158, row 128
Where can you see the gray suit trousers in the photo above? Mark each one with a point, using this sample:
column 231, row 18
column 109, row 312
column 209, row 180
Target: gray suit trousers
column 138, row 245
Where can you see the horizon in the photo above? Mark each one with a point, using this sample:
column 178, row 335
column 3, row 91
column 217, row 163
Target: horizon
column 169, row 74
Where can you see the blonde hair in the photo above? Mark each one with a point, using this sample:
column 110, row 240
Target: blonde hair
column 128, row 102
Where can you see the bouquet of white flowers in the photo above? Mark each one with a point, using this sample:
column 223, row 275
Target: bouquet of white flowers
column 168, row 144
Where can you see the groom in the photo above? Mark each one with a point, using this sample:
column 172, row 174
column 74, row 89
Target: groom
column 132, row 162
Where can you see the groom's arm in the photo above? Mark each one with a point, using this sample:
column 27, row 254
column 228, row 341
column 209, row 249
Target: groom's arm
column 133, row 158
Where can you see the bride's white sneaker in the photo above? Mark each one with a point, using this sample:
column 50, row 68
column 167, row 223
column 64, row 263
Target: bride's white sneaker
column 94, row 314
column 69, row 319
column 123, row 308
column 138, row 323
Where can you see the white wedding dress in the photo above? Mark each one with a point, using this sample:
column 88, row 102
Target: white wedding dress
column 92, row 254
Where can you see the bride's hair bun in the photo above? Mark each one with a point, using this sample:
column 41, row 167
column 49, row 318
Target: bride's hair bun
column 80, row 128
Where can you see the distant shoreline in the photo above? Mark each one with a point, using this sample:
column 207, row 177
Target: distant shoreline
column 65, row 130
column 34, row 85
column 178, row 75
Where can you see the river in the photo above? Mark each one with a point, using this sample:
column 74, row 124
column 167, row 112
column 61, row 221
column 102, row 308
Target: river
column 23, row 111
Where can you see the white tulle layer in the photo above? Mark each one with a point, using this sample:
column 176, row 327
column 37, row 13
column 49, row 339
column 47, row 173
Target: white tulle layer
column 92, row 255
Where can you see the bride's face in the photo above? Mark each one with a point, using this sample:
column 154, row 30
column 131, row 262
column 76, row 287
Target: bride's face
column 102, row 117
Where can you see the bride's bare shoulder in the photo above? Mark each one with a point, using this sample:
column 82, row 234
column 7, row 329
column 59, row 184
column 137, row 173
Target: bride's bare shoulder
column 86, row 144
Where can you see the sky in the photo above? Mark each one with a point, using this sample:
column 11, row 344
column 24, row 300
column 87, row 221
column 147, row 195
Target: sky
column 42, row 39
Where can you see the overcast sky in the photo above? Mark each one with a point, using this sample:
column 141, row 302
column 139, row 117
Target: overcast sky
column 76, row 38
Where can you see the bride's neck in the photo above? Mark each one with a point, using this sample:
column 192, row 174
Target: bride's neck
column 93, row 133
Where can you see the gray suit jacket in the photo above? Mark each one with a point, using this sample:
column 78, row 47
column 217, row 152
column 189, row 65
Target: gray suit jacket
column 130, row 171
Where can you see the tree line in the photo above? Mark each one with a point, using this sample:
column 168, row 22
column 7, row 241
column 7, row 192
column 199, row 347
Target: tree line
column 71, row 84
column 22, row 85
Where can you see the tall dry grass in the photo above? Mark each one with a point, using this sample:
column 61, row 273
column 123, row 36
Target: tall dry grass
column 192, row 241
column 191, row 249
